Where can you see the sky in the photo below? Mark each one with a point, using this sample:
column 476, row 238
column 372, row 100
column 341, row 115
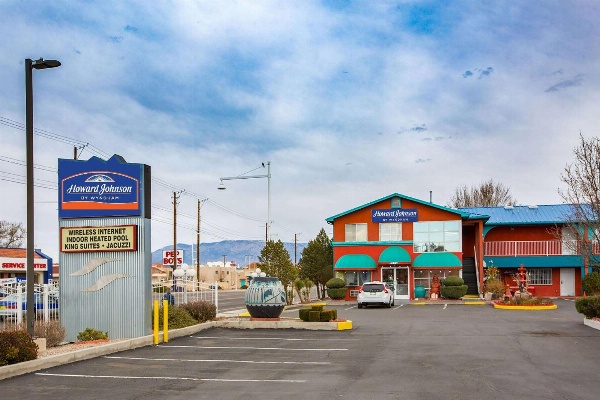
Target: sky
column 349, row 101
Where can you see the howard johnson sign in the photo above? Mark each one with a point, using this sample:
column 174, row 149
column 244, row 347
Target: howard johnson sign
column 395, row 215
column 98, row 188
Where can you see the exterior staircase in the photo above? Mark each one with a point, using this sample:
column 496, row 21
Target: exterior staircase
column 470, row 275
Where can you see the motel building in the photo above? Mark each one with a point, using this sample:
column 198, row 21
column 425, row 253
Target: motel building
column 13, row 266
column 406, row 241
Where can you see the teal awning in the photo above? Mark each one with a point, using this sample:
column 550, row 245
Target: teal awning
column 355, row 261
column 394, row 255
column 437, row 260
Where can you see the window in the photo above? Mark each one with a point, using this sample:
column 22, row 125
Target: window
column 437, row 236
column 354, row 278
column 356, row 232
column 424, row 277
column 540, row 276
column 390, row 232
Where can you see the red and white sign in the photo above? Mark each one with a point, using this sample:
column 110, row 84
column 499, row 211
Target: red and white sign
column 20, row 264
column 168, row 256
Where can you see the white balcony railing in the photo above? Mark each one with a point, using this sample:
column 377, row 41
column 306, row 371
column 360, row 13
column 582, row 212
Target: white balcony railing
column 529, row 248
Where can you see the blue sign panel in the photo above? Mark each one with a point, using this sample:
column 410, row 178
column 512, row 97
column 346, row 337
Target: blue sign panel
column 395, row 215
column 98, row 188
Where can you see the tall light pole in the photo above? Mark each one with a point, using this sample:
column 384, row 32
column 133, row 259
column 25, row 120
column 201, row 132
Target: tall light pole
column 30, row 65
column 268, row 176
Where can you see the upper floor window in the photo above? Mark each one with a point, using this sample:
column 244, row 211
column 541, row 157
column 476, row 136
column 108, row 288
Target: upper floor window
column 437, row 236
column 356, row 232
column 390, row 232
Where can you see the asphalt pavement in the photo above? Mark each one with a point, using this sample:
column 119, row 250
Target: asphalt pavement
column 438, row 351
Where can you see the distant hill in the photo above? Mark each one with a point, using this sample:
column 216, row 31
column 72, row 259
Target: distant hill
column 238, row 251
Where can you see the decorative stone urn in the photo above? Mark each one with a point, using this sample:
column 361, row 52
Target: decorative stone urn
column 265, row 297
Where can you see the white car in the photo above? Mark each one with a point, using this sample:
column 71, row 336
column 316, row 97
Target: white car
column 375, row 293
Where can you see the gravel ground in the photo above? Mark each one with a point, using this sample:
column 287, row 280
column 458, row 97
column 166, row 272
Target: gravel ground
column 71, row 347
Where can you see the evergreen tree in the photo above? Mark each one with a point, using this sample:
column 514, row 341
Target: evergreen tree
column 316, row 263
column 275, row 261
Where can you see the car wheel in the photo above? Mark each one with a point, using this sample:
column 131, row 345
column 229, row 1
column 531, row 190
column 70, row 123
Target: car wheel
column 360, row 305
column 389, row 304
column 393, row 302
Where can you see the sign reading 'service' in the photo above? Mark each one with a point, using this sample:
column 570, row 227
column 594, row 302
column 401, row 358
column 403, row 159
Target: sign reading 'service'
column 98, row 188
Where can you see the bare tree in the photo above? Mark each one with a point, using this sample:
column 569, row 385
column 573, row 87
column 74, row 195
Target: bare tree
column 11, row 234
column 486, row 194
column 582, row 178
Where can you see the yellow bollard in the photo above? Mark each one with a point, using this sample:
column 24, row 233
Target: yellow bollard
column 155, row 331
column 165, row 321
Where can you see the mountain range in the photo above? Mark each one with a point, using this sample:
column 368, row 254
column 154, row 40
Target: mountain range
column 242, row 252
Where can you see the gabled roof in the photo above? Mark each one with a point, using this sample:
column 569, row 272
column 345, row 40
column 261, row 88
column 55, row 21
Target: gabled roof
column 520, row 215
column 462, row 214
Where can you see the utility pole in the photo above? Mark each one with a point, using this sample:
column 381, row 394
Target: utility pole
column 200, row 202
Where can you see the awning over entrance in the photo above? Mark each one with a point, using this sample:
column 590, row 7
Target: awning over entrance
column 437, row 260
column 355, row 261
column 394, row 255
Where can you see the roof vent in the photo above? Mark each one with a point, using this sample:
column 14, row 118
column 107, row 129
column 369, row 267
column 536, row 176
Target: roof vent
column 533, row 207
column 508, row 207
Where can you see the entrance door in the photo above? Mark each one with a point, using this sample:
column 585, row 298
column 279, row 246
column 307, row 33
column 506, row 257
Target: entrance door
column 399, row 278
column 567, row 281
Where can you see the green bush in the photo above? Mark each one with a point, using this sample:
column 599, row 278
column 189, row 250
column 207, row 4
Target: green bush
column 201, row 311
column 303, row 314
column 335, row 283
column 178, row 318
column 326, row 316
column 91, row 334
column 591, row 284
column 588, row 306
column 337, row 293
column 52, row 331
column 16, row 347
column 454, row 292
column 314, row 316
column 244, row 287
column 453, row 281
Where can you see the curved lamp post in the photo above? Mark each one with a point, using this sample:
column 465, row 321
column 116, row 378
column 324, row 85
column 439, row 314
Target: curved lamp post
column 184, row 271
column 30, row 65
column 268, row 176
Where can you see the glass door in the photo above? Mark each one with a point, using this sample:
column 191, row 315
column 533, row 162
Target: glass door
column 397, row 278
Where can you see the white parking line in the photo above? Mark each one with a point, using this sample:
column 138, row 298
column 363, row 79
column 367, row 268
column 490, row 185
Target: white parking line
column 401, row 305
column 349, row 308
column 223, row 361
column 173, row 378
column 445, row 305
column 245, row 348
column 274, row 338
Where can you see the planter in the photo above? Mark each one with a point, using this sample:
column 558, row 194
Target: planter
column 265, row 298
column 501, row 306
column 488, row 296
column 419, row 292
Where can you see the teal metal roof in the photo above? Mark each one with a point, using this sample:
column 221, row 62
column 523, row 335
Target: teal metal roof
column 463, row 214
column 530, row 215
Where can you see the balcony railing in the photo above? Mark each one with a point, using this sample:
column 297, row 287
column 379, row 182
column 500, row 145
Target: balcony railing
column 530, row 248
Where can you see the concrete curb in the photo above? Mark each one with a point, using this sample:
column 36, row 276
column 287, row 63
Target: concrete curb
column 591, row 323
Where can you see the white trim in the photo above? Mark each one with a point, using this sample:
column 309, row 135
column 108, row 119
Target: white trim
column 592, row 323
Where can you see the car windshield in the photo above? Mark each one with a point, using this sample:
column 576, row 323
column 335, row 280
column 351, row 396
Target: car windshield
column 373, row 287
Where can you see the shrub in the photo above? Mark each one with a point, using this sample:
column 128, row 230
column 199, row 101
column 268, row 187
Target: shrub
column 335, row 283
column 529, row 301
column 337, row 293
column 52, row 331
column 201, row 311
column 591, row 284
column 91, row 334
column 453, row 281
column 314, row 316
column 588, row 306
column 178, row 318
column 244, row 287
column 454, row 292
column 326, row 315
column 16, row 347
column 496, row 288
column 303, row 314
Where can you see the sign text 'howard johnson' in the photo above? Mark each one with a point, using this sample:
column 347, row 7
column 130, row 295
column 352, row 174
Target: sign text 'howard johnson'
column 98, row 188
column 395, row 215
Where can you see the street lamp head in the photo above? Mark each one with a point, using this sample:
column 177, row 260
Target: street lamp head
column 44, row 64
column 222, row 186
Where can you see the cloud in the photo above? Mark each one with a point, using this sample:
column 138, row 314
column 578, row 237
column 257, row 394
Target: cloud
column 576, row 81
column 481, row 73
column 422, row 160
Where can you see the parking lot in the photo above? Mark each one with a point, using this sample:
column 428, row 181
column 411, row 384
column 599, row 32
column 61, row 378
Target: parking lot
column 406, row 352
